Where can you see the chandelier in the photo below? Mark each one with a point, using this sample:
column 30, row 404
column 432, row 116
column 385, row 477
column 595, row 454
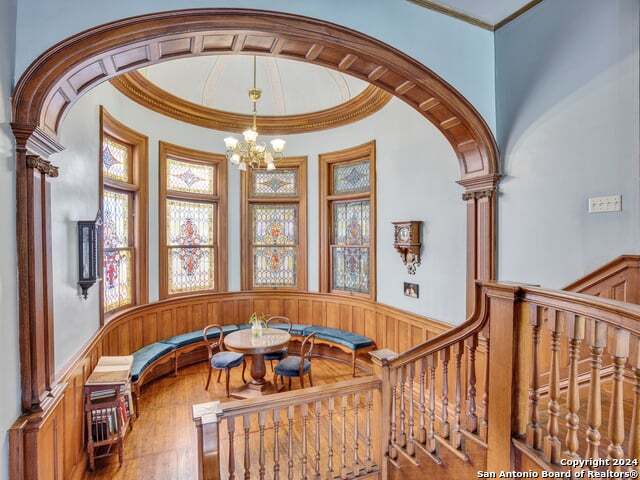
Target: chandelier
column 250, row 152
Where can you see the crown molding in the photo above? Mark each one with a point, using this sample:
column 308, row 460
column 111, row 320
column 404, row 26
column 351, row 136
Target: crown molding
column 452, row 12
column 146, row 93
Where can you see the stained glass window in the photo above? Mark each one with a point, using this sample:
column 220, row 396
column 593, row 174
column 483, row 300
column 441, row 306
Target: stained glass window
column 274, row 224
column 274, row 267
column 190, row 177
column 274, row 183
column 118, row 288
column 351, row 177
column 116, row 159
column 351, row 223
column 190, row 223
column 191, row 269
column 115, row 229
column 351, row 269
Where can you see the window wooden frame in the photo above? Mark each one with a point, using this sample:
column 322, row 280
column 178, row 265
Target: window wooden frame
column 327, row 162
column 219, row 199
column 300, row 200
column 137, row 189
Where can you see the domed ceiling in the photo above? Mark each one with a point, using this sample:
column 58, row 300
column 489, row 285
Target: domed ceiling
column 221, row 82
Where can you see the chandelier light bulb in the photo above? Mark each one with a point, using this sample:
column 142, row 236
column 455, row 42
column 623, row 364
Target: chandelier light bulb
column 235, row 159
column 271, row 166
column 278, row 145
column 231, row 143
column 250, row 135
column 242, row 167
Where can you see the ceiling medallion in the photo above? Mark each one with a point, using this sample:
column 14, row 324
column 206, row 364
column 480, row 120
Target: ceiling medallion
column 250, row 152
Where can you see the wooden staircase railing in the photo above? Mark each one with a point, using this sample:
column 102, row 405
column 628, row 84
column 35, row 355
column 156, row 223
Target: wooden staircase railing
column 331, row 431
column 534, row 378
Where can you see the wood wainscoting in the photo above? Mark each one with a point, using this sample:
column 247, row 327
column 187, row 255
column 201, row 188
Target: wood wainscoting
column 50, row 444
column 618, row 280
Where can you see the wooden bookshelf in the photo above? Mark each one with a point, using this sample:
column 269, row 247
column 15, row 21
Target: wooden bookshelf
column 109, row 407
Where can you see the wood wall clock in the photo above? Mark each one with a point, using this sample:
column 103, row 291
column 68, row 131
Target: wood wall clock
column 407, row 242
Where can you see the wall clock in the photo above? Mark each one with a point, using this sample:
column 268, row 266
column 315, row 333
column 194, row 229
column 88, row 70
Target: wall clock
column 407, row 242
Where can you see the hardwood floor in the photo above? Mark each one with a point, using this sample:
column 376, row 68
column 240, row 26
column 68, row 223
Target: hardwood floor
column 162, row 444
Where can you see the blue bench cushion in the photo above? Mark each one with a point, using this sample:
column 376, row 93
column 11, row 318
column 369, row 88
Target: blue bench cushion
column 290, row 366
column 243, row 326
column 146, row 356
column 226, row 360
column 194, row 337
column 348, row 339
column 296, row 328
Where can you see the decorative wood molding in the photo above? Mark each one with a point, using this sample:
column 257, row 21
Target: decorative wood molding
column 326, row 162
column 43, row 166
column 146, row 93
column 617, row 280
column 139, row 143
column 246, row 200
column 219, row 199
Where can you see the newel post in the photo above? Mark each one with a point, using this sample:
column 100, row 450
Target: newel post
column 507, row 381
column 382, row 408
column 205, row 418
column 33, row 227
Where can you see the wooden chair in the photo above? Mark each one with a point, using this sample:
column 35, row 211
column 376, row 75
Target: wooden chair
column 297, row 366
column 221, row 360
column 280, row 354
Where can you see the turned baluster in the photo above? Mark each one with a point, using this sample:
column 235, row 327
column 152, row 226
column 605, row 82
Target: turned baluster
column 343, row 451
column 484, row 420
column 575, row 332
column 393, row 454
column 276, row 444
column 534, row 429
column 634, row 440
column 444, row 425
column 431, row 425
column 331, row 406
column 616, row 416
column 231, row 427
column 290, row 413
column 472, row 417
column 356, row 443
column 305, row 414
column 368, row 432
column 261, row 453
column 402, row 441
column 597, row 342
column 422, row 431
column 318, row 409
column 551, row 441
column 411, row 448
column 246, row 423
column 457, row 436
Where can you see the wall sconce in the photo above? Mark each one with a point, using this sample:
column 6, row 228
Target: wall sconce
column 406, row 240
column 88, row 253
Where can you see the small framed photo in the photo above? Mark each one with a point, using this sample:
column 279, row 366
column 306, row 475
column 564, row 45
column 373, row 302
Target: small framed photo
column 412, row 290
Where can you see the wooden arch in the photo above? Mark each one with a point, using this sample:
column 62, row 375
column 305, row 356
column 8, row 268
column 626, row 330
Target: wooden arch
column 57, row 78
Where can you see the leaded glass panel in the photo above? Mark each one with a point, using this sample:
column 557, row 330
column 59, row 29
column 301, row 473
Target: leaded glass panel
column 274, row 267
column 276, row 183
column 190, row 177
column 191, row 269
column 351, row 178
column 116, row 160
column 351, row 223
column 118, row 292
column 351, row 269
column 116, row 219
column 190, row 223
column 274, row 224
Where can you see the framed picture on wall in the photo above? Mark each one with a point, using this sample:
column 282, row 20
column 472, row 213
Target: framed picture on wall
column 412, row 290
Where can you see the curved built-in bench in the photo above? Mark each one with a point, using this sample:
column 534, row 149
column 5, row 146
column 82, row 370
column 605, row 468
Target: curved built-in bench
column 170, row 349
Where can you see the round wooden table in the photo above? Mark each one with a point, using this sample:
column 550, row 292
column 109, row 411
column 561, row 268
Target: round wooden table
column 243, row 341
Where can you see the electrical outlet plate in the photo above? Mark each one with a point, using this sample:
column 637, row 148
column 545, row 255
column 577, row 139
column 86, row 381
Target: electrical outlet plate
column 611, row 203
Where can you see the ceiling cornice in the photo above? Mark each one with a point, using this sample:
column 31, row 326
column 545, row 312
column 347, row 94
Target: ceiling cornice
column 146, row 93
column 451, row 12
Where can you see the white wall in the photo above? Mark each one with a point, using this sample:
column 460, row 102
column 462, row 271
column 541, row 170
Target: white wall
column 460, row 53
column 568, row 127
column 417, row 170
column 9, row 356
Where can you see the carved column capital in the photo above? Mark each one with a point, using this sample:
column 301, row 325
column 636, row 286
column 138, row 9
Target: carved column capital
column 43, row 166
column 478, row 194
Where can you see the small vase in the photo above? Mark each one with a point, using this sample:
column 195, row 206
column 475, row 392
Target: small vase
column 256, row 330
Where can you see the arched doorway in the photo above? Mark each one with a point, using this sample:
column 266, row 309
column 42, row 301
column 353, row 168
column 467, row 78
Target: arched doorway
column 65, row 72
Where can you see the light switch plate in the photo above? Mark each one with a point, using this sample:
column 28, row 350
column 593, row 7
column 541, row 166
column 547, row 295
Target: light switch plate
column 611, row 203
